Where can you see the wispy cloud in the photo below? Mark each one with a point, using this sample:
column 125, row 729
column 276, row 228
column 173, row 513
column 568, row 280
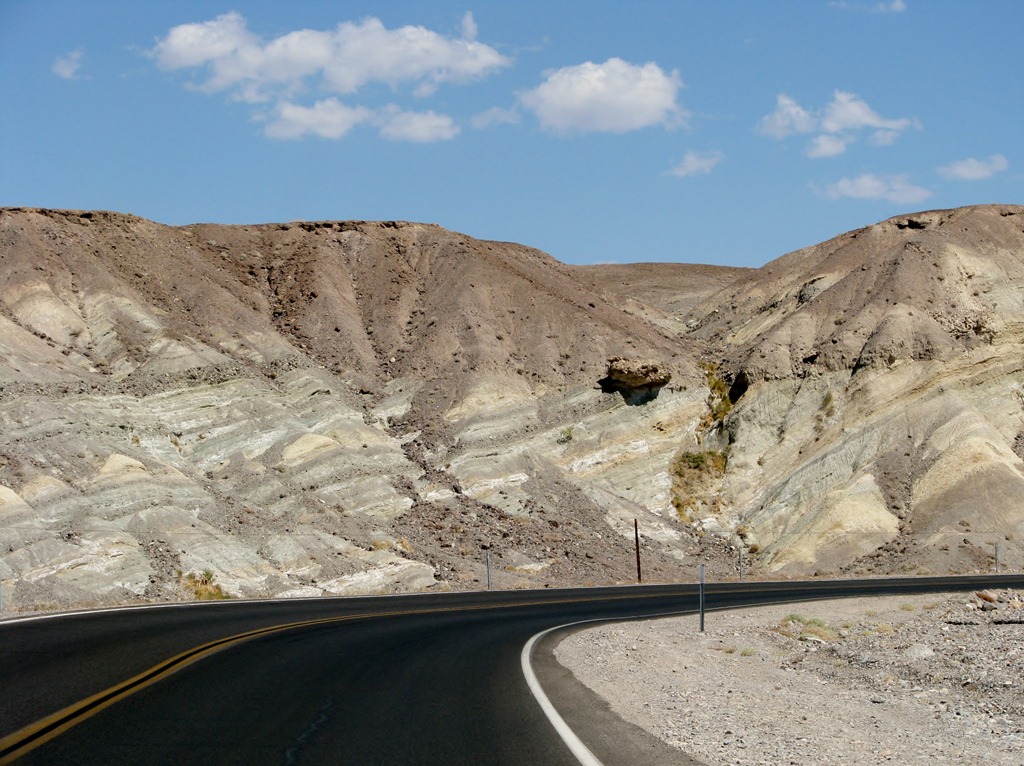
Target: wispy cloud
column 971, row 169
column 69, row 65
column 891, row 188
column 419, row 127
column 613, row 97
column 892, row 6
column 840, row 123
column 226, row 56
column 788, row 118
column 827, row 146
column 495, row 116
column 697, row 163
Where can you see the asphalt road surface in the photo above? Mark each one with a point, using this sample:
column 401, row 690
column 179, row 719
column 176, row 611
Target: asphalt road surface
column 402, row 680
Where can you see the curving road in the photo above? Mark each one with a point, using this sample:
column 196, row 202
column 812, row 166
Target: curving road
column 417, row 680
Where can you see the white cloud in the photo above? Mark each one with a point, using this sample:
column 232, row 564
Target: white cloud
column 788, row 118
column 697, row 163
column 828, row 146
column 838, row 124
column 847, row 111
column 895, row 188
column 327, row 119
column 613, row 97
column 418, row 127
column 971, row 169
column 67, row 66
column 330, row 118
column 495, row 116
column 341, row 60
column 189, row 45
column 893, row 6
column 469, row 28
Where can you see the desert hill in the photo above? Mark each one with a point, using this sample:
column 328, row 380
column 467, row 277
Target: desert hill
column 336, row 407
column 878, row 381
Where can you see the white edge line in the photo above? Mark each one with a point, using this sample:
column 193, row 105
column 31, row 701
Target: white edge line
column 581, row 751
column 575, row 744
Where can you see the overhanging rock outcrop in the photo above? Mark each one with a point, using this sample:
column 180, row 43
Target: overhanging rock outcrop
column 638, row 380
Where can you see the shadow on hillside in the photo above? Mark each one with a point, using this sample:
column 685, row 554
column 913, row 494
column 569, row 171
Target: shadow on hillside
column 634, row 397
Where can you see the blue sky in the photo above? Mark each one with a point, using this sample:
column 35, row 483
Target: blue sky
column 702, row 132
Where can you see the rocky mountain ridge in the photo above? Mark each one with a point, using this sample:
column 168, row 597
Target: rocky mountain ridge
column 337, row 407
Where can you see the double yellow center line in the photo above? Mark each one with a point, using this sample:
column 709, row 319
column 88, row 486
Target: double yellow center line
column 27, row 739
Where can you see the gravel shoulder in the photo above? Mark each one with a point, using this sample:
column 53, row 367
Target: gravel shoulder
column 908, row 680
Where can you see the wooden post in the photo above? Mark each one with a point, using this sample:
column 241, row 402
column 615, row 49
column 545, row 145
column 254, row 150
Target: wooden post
column 636, row 537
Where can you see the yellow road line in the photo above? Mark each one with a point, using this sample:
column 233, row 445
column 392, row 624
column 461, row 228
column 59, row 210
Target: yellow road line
column 35, row 734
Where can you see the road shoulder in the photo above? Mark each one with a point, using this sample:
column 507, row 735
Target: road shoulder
column 913, row 680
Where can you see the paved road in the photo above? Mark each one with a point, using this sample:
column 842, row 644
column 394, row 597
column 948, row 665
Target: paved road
column 417, row 680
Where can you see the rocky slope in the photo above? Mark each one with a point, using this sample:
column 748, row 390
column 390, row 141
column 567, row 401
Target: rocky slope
column 878, row 387
column 338, row 407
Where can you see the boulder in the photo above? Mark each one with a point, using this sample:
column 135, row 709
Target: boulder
column 637, row 373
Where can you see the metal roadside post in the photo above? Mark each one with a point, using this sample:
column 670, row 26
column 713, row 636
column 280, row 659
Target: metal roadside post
column 701, row 598
column 488, row 570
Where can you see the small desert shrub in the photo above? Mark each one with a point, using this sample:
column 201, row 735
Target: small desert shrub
column 564, row 436
column 748, row 651
column 798, row 626
column 693, row 475
column 203, row 587
column 683, row 507
column 907, row 607
column 718, row 401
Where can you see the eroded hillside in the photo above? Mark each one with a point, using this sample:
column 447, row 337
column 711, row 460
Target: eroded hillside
column 321, row 408
column 356, row 407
